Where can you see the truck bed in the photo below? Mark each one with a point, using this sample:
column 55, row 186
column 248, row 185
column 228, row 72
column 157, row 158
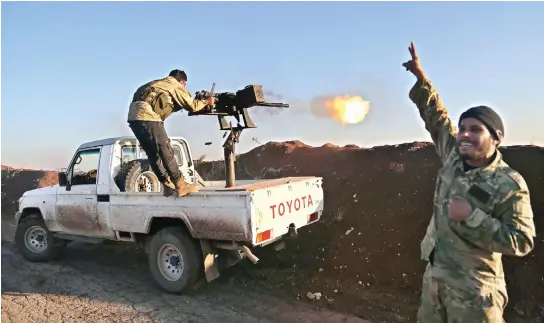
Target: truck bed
column 237, row 213
column 251, row 185
column 242, row 185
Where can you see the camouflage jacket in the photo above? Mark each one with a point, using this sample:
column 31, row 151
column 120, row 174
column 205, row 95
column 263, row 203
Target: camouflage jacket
column 158, row 99
column 502, row 217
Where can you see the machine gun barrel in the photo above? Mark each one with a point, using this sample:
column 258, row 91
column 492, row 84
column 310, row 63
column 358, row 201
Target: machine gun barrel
column 273, row 105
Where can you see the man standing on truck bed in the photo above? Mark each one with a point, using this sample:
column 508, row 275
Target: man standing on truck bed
column 151, row 104
column 481, row 211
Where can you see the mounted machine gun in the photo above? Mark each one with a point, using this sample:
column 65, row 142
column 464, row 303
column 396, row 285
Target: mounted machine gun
column 236, row 105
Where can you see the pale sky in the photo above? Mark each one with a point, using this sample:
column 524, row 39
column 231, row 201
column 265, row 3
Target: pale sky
column 69, row 70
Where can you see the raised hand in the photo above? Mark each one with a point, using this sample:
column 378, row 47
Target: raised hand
column 413, row 65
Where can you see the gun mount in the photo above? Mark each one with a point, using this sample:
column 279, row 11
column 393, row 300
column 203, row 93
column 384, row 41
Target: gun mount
column 236, row 105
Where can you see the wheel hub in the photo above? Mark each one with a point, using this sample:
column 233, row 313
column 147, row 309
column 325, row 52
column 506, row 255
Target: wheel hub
column 175, row 261
column 36, row 239
column 144, row 183
column 170, row 262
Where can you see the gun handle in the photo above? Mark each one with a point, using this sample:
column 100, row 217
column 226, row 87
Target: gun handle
column 213, row 89
column 212, row 107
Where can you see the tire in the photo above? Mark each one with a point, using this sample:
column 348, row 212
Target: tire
column 189, row 250
column 135, row 170
column 32, row 249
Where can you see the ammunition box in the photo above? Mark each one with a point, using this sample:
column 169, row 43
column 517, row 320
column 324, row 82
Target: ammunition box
column 250, row 96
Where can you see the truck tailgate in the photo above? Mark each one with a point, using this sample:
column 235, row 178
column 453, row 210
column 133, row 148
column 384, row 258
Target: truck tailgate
column 296, row 201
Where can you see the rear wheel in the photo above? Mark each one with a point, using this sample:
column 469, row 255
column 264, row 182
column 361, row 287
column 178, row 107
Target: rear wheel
column 35, row 242
column 174, row 259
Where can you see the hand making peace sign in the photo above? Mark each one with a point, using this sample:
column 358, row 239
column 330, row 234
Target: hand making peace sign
column 413, row 65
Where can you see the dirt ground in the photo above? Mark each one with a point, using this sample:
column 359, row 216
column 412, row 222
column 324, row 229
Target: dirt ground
column 363, row 256
column 109, row 284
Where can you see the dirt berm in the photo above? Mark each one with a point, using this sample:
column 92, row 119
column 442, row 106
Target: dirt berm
column 15, row 182
column 363, row 256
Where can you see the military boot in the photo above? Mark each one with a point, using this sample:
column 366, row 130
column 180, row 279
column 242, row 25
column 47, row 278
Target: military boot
column 169, row 187
column 183, row 188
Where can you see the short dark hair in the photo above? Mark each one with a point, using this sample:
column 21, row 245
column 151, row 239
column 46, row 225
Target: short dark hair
column 178, row 75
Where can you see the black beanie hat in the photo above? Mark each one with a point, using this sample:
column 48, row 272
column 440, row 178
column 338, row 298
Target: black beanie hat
column 487, row 116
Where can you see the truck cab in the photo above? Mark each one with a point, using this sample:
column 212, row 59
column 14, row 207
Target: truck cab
column 75, row 206
column 119, row 152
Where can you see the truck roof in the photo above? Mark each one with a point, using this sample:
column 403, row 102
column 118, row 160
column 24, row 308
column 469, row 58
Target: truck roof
column 103, row 142
column 112, row 140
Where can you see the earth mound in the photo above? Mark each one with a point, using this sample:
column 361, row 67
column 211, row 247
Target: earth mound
column 16, row 181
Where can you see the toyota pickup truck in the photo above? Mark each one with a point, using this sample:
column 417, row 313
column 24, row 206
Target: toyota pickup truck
column 109, row 192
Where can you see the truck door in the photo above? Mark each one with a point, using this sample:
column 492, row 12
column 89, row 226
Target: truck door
column 76, row 207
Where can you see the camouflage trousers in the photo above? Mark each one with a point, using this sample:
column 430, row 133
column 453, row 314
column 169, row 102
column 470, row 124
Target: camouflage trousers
column 460, row 302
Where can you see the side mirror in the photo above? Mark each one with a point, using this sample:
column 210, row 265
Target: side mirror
column 63, row 179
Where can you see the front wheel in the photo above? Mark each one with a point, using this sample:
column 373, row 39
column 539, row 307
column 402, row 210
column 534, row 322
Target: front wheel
column 174, row 259
column 35, row 242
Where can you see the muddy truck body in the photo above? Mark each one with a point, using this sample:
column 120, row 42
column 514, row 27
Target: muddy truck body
column 109, row 192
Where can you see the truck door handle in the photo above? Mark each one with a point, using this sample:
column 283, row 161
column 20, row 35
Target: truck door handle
column 88, row 197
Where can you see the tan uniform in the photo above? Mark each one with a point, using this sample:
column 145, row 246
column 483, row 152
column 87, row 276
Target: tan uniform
column 151, row 104
column 157, row 100
column 464, row 279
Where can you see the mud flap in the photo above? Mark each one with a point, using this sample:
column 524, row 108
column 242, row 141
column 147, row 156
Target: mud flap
column 211, row 265
column 217, row 259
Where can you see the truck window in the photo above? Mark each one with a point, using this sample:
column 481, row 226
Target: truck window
column 128, row 153
column 186, row 154
column 178, row 155
column 84, row 170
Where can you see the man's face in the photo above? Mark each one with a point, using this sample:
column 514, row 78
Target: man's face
column 183, row 82
column 474, row 140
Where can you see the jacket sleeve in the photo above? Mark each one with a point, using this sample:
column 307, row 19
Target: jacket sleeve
column 182, row 99
column 435, row 116
column 511, row 231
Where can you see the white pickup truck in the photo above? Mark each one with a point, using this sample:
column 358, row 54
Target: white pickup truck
column 100, row 198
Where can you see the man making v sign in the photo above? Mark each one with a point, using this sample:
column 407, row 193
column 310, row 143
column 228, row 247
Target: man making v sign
column 481, row 211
